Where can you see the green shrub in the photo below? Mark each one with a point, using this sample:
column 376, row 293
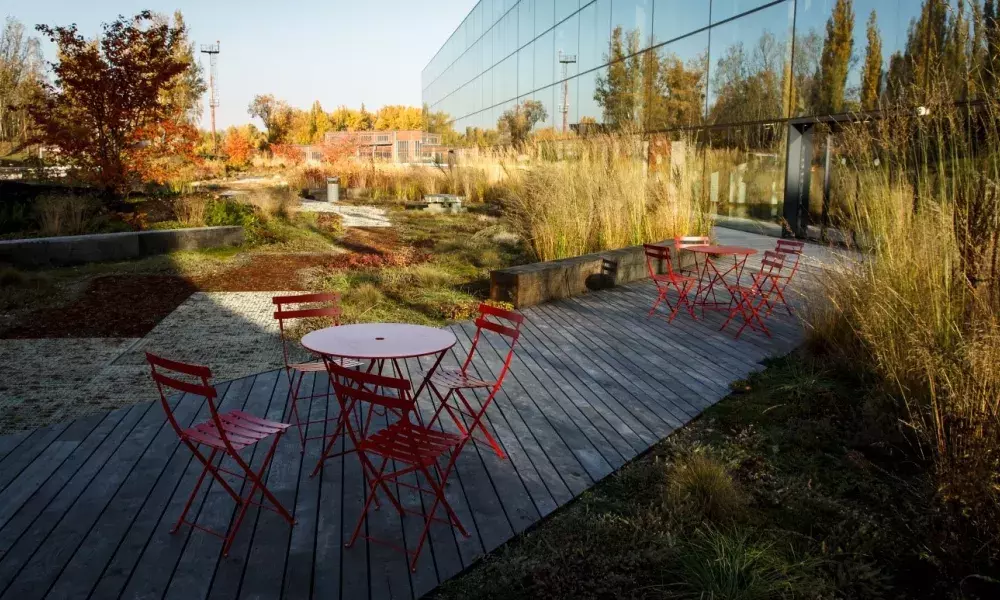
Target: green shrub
column 9, row 277
column 230, row 212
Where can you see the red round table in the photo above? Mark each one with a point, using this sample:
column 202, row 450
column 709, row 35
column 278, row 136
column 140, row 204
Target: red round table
column 710, row 276
column 378, row 343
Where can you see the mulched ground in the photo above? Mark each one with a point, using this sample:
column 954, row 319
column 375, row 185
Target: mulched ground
column 111, row 306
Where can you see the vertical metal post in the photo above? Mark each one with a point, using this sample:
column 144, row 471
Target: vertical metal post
column 828, row 162
column 797, row 179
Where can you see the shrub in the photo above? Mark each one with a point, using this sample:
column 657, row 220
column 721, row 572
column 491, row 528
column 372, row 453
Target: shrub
column 190, row 210
column 64, row 214
column 10, row 277
column 701, row 487
column 230, row 212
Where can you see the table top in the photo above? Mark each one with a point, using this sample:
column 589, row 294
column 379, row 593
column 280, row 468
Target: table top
column 379, row 340
column 734, row 250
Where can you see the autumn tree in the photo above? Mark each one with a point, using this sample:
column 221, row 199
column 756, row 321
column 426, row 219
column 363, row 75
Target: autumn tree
column 105, row 111
column 871, row 76
column 835, row 62
column 21, row 68
column 275, row 114
column 400, row 118
column 619, row 90
column 186, row 90
column 749, row 83
column 516, row 123
column 673, row 91
column 238, row 146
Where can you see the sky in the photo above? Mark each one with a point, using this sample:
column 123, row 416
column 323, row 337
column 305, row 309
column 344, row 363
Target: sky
column 339, row 52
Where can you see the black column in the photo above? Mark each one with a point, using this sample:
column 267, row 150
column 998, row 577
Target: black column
column 797, row 173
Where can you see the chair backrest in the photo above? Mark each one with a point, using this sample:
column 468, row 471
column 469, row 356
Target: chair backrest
column 353, row 385
column 792, row 249
column 684, row 241
column 657, row 255
column 504, row 323
column 288, row 309
column 771, row 265
column 166, row 374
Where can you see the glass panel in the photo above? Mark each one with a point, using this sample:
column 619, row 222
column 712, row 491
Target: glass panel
column 525, row 22
column 747, row 66
column 633, row 16
column 745, row 169
column 544, row 15
column 595, row 32
column 675, row 18
column 565, row 8
column 567, row 45
column 727, row 9
column 486, row 51
column 505, row 80
column 487, row 14
column 590, row 112
column 525, row 70
column 675, row 81
column 511, row 46
column 544, row 60
column 486, row 87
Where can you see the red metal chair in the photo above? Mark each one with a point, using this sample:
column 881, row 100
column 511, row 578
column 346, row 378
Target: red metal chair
column 226, row 434
column 748, row 300
column 684, row 242
column 411, row 447
column 792, row 251
column 507, row 324
column 288, row 309
column 657, row 255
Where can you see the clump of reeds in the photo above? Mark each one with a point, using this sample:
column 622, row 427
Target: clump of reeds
column 601, row 193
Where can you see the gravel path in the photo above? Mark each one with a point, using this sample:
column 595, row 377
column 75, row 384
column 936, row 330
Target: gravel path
column 354, row 216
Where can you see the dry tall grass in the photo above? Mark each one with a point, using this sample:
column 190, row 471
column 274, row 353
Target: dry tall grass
column 602, row 195
column 65, row 214
column 923, row 306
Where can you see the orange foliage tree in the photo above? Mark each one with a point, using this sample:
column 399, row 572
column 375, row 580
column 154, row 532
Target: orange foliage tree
column 238, row 147
column 104, row 112
column 338, row 149
column 287, row 152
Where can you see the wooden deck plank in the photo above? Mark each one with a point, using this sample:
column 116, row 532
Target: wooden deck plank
column 59, row 544
column 353, row 560
column 329, row 529
column 658, row 400
column 10, row 442
column 27, row 452
column 691, row 395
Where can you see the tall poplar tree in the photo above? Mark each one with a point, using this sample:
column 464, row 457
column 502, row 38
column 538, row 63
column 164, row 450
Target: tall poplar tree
column 871, row 77
column 836, row 59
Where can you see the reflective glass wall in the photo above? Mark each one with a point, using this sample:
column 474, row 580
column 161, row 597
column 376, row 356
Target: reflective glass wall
column 725, row 75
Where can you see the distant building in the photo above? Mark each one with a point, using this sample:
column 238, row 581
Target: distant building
column 392, row 146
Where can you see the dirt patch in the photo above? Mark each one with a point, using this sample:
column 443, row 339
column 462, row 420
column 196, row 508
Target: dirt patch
column 126, row 306
column 264, row 273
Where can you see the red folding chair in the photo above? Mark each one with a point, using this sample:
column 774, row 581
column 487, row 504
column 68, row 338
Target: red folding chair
column 411, row 447
column 288, row 309
column 792, row 252
column 227, row 434
column 748, row 300
column 684, row 242
column 655, row 256
column 507, row 325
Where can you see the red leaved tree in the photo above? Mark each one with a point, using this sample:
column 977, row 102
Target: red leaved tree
column 238, row 147
column 105, row 112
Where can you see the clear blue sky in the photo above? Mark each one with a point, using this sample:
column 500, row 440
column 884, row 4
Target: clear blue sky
column 335, row 51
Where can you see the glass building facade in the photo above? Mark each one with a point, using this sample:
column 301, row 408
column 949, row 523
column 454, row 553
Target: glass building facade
column 737, row 72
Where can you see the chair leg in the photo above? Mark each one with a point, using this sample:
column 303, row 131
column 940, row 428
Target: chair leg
column 257, row 484
column 661, row 296
column 293, row 392
column 439, row 498
column 479, row 422
column 197, row 486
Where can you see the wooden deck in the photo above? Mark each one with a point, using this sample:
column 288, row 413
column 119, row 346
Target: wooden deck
column 86, row 506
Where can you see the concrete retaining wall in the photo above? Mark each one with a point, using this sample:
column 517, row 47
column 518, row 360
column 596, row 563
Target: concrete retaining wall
column 81, row 249
column 528, row 285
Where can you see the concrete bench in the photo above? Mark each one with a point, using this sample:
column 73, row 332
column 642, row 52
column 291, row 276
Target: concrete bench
column 103, row 247
column 528, row 285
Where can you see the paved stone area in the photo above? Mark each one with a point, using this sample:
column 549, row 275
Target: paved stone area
column 51, row 380
column 354, row 216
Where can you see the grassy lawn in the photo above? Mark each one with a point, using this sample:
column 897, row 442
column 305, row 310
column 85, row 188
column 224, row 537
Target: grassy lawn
column 789, row 488
column 426, row 269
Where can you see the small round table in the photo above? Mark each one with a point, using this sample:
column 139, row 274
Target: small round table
column 710, row 275
column 378, row 343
